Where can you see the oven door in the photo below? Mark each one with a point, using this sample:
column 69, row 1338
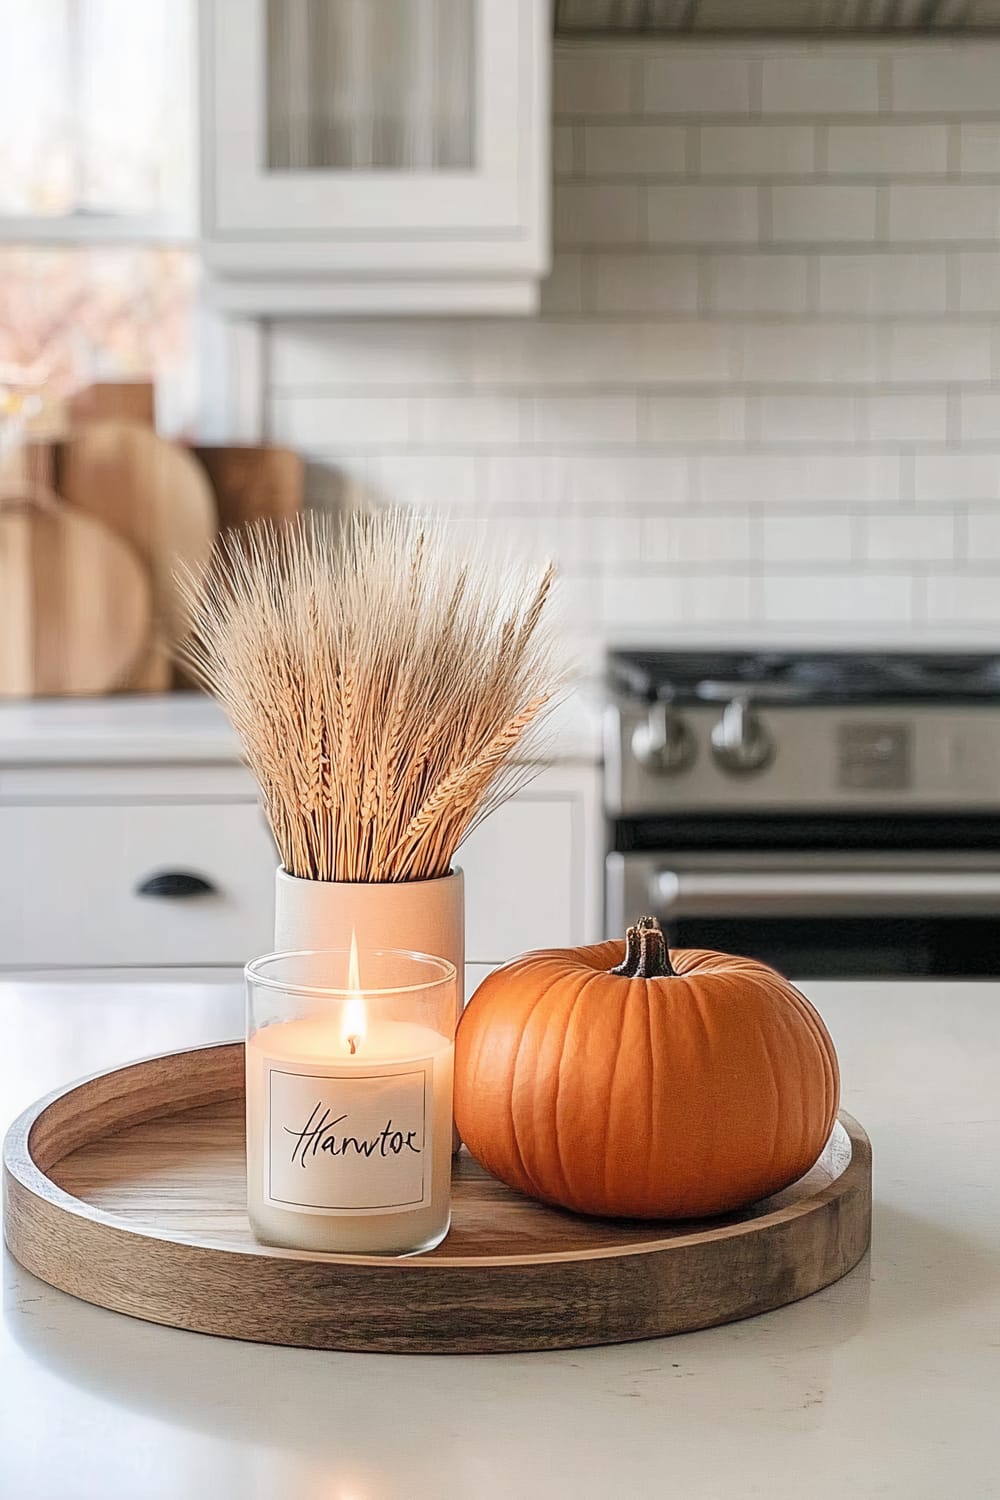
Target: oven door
column 822, row 914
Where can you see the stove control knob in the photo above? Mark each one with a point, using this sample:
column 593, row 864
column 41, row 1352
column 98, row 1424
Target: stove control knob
column 740, row 743
column 663, row 743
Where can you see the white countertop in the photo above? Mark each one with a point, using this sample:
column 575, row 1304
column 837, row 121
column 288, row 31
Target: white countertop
column 169, row 728
column 884, row 1385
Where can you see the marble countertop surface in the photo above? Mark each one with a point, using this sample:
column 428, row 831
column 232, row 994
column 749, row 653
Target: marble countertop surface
column 189, row 727
column 884, row 1385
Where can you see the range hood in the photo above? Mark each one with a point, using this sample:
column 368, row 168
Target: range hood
column 772, row 17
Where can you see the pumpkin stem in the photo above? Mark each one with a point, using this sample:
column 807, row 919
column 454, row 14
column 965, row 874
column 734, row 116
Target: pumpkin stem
column 646, row 955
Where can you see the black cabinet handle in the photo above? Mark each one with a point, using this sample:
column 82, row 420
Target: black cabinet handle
column 175, row 884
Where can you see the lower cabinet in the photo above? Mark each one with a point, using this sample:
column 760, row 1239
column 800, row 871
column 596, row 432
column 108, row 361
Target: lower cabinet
column 176, row 871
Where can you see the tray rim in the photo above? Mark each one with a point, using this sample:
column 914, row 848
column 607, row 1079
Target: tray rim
column 20, row 1165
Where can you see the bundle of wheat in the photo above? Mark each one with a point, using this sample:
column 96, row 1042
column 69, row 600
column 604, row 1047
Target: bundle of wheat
column 381, row 682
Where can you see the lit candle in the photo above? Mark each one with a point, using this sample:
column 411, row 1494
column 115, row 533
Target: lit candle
column 349, row 1104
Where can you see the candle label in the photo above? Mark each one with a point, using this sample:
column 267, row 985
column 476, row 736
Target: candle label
column 348, row 1144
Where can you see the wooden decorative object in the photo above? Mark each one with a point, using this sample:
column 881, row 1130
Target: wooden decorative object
column 154, row 494
column 128, row 1191
column 74, row 600
column 254, row 483
column 119, row 400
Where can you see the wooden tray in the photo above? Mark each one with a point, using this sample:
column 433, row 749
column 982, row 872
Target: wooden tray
column 128, row 1190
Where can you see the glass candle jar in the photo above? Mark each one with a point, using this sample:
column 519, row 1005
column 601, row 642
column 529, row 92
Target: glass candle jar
column 349, row 1069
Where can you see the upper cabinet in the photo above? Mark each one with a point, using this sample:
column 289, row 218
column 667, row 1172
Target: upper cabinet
column 365, row 156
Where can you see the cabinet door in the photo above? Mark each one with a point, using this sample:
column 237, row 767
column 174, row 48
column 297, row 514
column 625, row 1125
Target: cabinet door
column 525, row 870
column 160, row 883
column 402, row 136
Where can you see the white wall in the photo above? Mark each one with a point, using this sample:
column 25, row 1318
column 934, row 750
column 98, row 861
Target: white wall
column 762, row 397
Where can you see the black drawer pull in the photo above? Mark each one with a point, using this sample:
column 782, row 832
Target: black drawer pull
column 174, row 884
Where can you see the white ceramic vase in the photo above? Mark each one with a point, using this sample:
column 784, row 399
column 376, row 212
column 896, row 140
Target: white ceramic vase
column 425, row 916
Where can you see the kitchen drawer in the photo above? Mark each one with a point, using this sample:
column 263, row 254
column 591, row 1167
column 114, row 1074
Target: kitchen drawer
column 70, row 879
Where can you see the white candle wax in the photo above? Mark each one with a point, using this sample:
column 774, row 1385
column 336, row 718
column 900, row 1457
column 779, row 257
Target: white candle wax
column 349, row 1153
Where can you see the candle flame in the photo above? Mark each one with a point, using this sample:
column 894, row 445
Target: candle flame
column 355, row 1019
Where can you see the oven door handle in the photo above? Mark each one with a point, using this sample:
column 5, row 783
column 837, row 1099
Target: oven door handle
column 801, row 893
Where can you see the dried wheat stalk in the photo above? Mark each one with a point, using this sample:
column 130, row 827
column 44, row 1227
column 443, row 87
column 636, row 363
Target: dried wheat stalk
column 381, row 683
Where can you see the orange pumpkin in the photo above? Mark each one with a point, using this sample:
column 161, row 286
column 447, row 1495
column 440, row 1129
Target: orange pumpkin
column 645, row 1084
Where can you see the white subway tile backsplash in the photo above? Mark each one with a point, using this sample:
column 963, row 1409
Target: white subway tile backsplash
column 756, row 151
column 603, row 481
column 641, row 605
column 762, row 393
column 853, row 597
column 979, row 416
column 693, row 420
column 562, row 289
column 886, row 150
column 954, row 79
column 811, row 353
column 596, row 213
column 964, row 598
column 583, row 421
column 563, row 150
column 325, row 423
column 979, row 146
column 634, row 150
column 822, row 214
column 597, row 541
column 757, row 284
column 883, row 285
column 983, row 535
column 816, row 539
column 594, row 83
column 979, row 282
column 944, row 211
column 909, row 538
column 812, row 83
column 806, row 480
column 600, row 352
column 459, row 419
column 715, row 539
column 681, row 353
column 645, row 283
column 810, row 419
column 697, row 214
column 435, row 481
column 904, row 417
column 349, row 354
column 937, row 352
column 687, row 82
column 957, row 476
column 578, row 541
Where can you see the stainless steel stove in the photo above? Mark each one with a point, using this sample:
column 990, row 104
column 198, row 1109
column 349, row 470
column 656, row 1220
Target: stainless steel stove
column 836, row 813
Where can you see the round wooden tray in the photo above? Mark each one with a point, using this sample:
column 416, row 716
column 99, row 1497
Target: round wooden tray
column 128, row 1190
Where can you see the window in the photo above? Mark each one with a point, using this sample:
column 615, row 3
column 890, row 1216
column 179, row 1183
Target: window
column 98, row 276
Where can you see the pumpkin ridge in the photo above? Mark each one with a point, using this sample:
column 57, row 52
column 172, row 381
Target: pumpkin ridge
column 556, row 1133
column 824, row 1047
column 826, row 1052
column 605, row 1155
column 776, row 1110
column 709, row 1144
column 526, row 1175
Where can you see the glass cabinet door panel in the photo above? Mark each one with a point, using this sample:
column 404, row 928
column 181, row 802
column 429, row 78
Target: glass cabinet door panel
column 369, row 85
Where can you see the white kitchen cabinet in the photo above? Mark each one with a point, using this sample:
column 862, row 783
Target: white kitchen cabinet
column 363, row 156
column 145, row 848
column 529, row 869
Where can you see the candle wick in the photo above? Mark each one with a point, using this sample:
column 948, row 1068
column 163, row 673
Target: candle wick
column 352, row 1042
